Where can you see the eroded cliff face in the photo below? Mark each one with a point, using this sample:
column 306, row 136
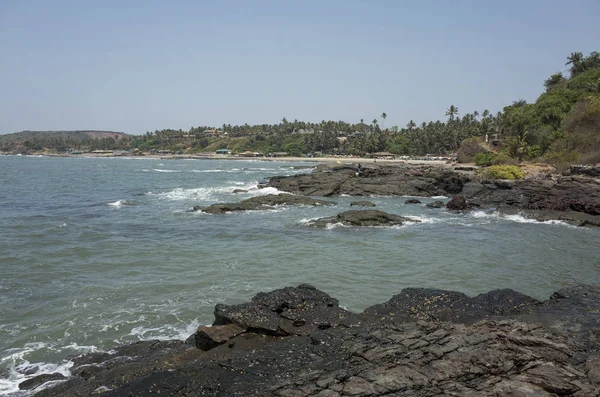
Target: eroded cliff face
column 422, row 342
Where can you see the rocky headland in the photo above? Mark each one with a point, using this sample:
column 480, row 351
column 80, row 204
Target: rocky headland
column 574, row 197
column 298, row 341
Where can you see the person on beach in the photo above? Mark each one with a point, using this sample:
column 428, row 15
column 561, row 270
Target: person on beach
column 359, row 170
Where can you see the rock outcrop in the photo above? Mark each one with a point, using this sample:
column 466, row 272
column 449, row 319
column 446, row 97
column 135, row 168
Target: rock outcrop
column 362, row 203
column 261, row 203
column 362, row 218
column 573, row 198
column 397, row 180
column 422, row 342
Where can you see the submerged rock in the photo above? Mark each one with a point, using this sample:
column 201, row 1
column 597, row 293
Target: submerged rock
column 262, row 202
column 412, row 201
column 362, row 218
column 435, row 204
column 362, row 204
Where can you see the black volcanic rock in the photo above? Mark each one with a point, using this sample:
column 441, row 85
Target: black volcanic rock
column 362, row 218
column 422, row 342
column 262, row 202
column 362, row 203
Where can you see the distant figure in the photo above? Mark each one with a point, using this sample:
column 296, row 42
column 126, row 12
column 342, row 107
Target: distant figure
column 359, row 170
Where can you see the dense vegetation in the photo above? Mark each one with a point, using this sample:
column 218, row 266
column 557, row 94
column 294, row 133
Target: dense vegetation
column 562, row 126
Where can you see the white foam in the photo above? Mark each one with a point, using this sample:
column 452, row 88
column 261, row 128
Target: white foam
column 115, row 204
column 17, row 364
column 439, row 197
column 165, row 332
column 161, row 170
column 518, row 218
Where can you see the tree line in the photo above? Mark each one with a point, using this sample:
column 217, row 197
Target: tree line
column 562, row 125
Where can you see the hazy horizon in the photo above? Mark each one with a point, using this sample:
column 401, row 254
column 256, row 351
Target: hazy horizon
column 142, row 66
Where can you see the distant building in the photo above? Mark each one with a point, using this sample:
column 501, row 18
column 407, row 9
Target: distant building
column 223, row 151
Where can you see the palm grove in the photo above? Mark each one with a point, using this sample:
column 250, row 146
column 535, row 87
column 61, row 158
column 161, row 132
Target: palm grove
column 563, row 125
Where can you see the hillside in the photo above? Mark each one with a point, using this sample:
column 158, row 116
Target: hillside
column 34, row 141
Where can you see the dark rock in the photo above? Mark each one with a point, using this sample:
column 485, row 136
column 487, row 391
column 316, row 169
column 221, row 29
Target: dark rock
column 363, row 218
column 464, row 168
column 458, row 203
column 587, row 170
column 413, row 304
column 39, row 380
column 287, row 311
column 435, row 204
column 236, row 191
column 387, row 180
column 412, row 201
column 422, row 342
column 261, row 203
column 207, row 338
column 362, row 204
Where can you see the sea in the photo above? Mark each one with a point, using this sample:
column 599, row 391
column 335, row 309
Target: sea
column 101, row 252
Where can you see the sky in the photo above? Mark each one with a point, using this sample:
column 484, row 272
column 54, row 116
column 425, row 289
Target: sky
column 137, row 66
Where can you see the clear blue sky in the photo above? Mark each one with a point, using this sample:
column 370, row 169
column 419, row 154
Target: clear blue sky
column 135, row 66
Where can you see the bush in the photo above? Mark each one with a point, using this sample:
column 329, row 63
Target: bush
column 501, row 172
column 484, row 159
column 504, row 159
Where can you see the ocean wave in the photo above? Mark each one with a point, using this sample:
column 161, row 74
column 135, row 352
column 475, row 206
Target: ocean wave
column 518, row 218
column 119, row 203
column 165, row 332
column 19, row 369
column 161, row 170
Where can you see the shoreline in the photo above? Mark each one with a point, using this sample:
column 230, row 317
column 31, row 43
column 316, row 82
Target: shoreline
column 324, row 160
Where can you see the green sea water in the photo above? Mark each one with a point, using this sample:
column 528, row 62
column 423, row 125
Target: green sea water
column 97, row 252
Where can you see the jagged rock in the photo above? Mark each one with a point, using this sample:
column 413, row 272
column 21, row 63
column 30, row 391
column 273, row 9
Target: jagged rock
column 420, row 343
column 207, row 338
column 392, row 180
column 236, row 191
column 39, row 380
column 262, row 202
column 362, row 204
column 435, row 204
column 412, row 201
column 288, row 311
column 362, row 218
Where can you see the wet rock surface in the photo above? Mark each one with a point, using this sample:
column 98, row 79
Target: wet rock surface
column 261, row 203
column 362, row 218
column 422, row 342
column 573, row 198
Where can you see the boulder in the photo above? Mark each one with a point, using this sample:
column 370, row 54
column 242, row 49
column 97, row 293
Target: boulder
column 458, row 203
column 362, row 204
column 207, row 338
column 236, row 191
column 362, row 218
column 262, row 202
column 287, row 311
column 412, row 201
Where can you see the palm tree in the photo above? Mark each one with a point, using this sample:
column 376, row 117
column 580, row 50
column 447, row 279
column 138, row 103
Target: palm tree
column 383, row 117
column 362, row 121
column 411, row 124
column 374, row 122
column 575, row 60
column 486, row 114
column 451, row 112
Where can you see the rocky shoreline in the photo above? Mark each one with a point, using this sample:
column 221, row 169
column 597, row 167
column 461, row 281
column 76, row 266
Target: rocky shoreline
column 573, row 198
column 298, row 341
